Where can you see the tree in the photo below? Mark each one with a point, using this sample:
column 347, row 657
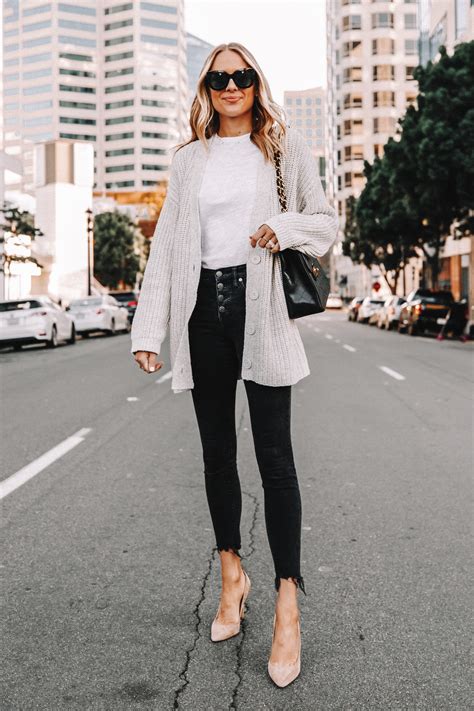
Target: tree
column 435, row 163
column 17, row 222
column 115, row 260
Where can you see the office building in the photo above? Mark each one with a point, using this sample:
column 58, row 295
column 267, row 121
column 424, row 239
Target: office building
column 197, row 52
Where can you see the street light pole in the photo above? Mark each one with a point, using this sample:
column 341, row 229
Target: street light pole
column 90, row 247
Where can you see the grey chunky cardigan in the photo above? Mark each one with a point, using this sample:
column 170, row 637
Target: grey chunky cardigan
column 273, row 350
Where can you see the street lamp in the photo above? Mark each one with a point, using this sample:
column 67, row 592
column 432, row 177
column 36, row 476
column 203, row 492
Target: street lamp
column 90, row 249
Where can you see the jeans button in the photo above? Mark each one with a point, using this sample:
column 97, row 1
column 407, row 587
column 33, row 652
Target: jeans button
column 218, row 274
column 220, row 286
column 221, row 308
column 220, row 297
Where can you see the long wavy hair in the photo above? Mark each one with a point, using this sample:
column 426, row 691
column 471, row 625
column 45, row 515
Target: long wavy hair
column 268, row 117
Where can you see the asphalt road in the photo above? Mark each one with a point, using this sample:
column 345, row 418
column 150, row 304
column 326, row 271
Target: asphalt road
column 110, row 580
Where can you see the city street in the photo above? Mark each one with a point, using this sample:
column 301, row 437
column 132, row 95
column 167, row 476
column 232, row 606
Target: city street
column 110, row 582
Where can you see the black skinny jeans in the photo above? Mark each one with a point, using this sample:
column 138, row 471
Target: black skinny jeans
column 216, row 337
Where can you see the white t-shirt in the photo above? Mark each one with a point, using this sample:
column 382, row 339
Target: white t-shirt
column 226, row 200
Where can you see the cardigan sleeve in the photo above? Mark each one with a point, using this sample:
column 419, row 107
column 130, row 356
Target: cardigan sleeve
column 313, row 228
column 151, row 319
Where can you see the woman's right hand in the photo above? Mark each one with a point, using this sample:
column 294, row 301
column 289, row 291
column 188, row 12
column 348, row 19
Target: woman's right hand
column 147, row 361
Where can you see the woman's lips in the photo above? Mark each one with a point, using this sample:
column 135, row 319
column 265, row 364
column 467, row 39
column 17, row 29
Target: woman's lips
column 233, row 100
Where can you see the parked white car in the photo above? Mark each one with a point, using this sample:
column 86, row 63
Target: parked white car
column 99, row 313
column 389, row 314
column 334, row 302
column 368, row 309
column 34, row 319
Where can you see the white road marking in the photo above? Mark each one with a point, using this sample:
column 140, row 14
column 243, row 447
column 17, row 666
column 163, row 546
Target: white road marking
column 337, row 340
column 328, row 335
column 165, row 376
column 349, row 348
column 391, row 372
column 316, row 329
column 23, row 475
column 132, row 399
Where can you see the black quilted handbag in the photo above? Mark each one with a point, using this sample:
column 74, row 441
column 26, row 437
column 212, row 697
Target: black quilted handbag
column 305, row 283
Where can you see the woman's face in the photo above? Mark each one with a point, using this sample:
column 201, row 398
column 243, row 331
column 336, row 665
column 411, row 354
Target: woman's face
column 231, row 101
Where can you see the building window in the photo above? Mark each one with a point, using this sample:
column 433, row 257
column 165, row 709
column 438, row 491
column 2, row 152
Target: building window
column 77, row 73
column 384, row 98
column 289, row 101
column 383, row 72
column 76, row 25
column 145, row 166
column 352, row 22
column 35, row 26
column 352, row 127
column 411, row 21
column 77, row 136
column 118, row 168
column 13, row 62
column 79, row 41
column 158, row 40
column 30, row 90
column 117, row 57
column 77, row 105
column 119, row 136
column 11, row 77
column 76, row 57
column 353, row 152
column 78, row 89
column 382, row 19
column 159, row 24
column 119, row 87
column 154, row 119
column 120, row 152
column 351, row 74
column 11, row 91
column 153, row 7
column 118, row 40
column 409, row 73
column 28, row 11
column 76, row 9
column 37, row 105
column 12, row 107
column 384, row 124
column 410, row 99
column 119, row 104
column 147, row 134
column 117, row 25
column 154, row 151
column 68, row 119
column 119, row 73
column 36, row 121
column 352, row 101
column 378, row 150
column 120, row 184
column 119, row 119
column 383, row 45
column 352, row 49
column 118, row 8
column 350, row 2
column 411, row 46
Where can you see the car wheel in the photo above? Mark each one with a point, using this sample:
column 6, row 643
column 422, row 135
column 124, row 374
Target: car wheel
column 85, row 334
column 17, row 347
column 53, row 341
column 72, row 339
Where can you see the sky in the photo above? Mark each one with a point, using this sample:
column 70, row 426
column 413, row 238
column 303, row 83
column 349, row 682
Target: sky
column 286, row 37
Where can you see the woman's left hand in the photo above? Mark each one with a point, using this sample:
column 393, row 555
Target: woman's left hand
column 265, row 237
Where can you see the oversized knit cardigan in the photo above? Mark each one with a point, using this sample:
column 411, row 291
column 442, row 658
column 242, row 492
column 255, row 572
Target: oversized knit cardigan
column 273, row 352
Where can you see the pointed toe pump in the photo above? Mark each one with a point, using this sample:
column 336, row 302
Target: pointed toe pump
column 220, row 631
column 284, row 674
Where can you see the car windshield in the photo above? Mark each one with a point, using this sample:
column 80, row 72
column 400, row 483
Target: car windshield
column 432, row 297
column 124, row 296
column 83, row 303
column 376, row 301
column 20, row 305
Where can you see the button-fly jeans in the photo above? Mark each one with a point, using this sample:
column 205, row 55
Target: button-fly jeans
column 216, row 337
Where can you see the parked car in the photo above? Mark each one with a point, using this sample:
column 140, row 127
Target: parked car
column 128, row 299
column 99, row 313
column 389, row 314
column 34, row 319
column 334, row 302
column 368, row 308
column 354, row 307
column 424, row 310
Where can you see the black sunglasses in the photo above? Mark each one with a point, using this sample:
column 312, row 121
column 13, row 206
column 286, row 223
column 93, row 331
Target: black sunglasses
column 243, row 78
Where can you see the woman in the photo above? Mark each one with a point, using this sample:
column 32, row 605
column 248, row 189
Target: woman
column 214, row 276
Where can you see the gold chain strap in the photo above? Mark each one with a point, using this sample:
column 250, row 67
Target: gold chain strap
column 280, row 183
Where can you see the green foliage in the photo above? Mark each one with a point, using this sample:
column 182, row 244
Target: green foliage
column 425, row 181
column 115, row 261
column 18, row 221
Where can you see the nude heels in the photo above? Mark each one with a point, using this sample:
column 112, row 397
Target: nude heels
column 284, row 674
column 220, row 631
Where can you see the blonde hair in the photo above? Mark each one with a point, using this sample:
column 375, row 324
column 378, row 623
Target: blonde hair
column 268, row 117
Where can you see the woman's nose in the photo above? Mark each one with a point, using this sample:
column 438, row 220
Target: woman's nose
column 231, row 84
